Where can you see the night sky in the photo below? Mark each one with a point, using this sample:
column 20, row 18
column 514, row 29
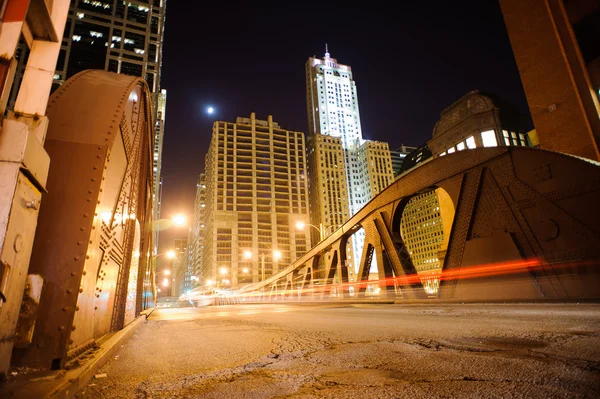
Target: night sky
column 409, row 63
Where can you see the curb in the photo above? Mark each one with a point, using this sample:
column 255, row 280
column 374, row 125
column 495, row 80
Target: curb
column 67, row 383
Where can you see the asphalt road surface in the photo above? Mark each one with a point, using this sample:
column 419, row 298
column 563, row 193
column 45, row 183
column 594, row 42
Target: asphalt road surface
column 360, row 351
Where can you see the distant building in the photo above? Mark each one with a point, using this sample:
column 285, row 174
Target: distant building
column 415, row 157
column 425, row 228
column 332, row 109
column 557, row 50
column 116, row 36
column 179, row 275
column 375, row 165
column 196, row 234
column 473, row 121
column 328, row 197
column 256, row 192
column 398, row 156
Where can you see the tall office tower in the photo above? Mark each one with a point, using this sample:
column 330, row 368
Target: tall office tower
column 196, row 235
column 332, row 108
column 160, row 99
column 256, row 192
column 180, row 277
column 326, row 158
column 425, row 228
column 116, row 36
column 376, row 168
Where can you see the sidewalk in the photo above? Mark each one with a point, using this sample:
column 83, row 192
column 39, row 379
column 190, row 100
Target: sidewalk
column 64, row 384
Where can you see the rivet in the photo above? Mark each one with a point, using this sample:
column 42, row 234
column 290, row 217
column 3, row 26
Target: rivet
column 76, row 258
column 87, row 256
column 82, row 229
column 72, row 274
column 95, row 307
column 69, row 291
column 93, row 179
column 73, row 328
column 76, row 308
column 80, row 289
column 84, row 273
column 70, row 342
column 79, row 243
column 65, row 309
column 85, row 215
column 89, row 200
column 61, row 328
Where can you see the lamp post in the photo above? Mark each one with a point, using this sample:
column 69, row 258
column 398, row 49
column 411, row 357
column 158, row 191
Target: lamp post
column 276, row 256
column 170, row 254
column 321, row 229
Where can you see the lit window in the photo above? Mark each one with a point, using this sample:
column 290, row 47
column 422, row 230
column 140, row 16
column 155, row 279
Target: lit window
column 451, row 150
column 489, row 138
column 506, row 137
column 471, row 142
column 460, row 146
column 442, row 154
column 76, row 38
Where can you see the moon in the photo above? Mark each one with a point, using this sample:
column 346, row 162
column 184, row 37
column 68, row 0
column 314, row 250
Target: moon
column 210, row 110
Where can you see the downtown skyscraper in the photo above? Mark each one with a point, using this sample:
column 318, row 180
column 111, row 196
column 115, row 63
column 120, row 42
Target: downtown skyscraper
column 333, row 111
column 116, row 36
column 256, row 193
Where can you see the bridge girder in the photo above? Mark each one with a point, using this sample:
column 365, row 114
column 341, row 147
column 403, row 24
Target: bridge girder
column 525, row 226
column 93, row 240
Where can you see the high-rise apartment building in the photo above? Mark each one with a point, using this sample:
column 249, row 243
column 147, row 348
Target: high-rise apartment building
column 116, row 36
column 332, row 108
column 256, row 192
column 196, row 235
column 425, row 230
column 180, row 277
column 326, row 158
column 375, row 167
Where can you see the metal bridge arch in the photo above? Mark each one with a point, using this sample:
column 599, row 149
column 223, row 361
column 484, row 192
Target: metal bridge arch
column 525, row 226
column 93, row 241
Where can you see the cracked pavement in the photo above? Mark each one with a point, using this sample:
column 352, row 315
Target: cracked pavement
column 360, row 351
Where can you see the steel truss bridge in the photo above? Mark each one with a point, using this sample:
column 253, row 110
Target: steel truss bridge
column 524, row 225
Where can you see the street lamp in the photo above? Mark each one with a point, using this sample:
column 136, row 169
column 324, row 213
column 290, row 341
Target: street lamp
column 178, row 220
column 170, row 254
column 276, row 256
column 321, row 229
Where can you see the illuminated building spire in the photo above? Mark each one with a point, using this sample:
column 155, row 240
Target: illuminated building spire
column 326, row 51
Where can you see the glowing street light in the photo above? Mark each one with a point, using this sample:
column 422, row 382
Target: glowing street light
column 321, row 229
column 171, row 254
column 179, row 220
column 223, row 271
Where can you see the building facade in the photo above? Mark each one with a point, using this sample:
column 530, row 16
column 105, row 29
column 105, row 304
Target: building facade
column 196, row 234
column 180, row 277
column 333, row 112
column 375, row 165
column 398, row 156
column 475, row 121
column 256, row 192
column 116, row 36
